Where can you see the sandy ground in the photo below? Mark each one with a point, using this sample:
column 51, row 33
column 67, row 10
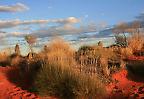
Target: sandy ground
column 9, row 90
column 124, row 88
column 121, row 88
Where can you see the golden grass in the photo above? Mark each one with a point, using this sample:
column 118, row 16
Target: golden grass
column 126, row 52
column 3, row 56
column 60, row 52
column 68, row 84
column 136, row 42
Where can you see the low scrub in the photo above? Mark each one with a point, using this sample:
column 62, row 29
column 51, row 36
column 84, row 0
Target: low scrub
column 4, row 59
column 66, row 83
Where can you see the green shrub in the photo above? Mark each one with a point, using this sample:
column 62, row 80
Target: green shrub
column 66, row 83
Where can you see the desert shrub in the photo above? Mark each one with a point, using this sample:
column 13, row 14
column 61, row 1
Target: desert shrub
column 4, row 59
column 135, row 42
column 10, row 58
column 15, row 59
column 120, row 40
column 126, row 52
column 92, row 55
column 59, row 52
column 66, row 83
column 99, row 60
column 96, row 51
column 26, row 69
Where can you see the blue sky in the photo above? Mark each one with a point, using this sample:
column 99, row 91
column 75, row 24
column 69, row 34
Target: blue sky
column 47, row 18
column 110, row 11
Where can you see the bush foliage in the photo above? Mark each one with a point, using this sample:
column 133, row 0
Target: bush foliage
column 67, row 83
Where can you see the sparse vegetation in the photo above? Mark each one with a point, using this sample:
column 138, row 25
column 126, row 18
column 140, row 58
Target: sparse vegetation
column 66, row 83
column 61, row 71
column 71, row 49
column 4, row 59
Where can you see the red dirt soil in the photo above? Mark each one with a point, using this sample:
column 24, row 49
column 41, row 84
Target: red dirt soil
column 121, row 88
column 9, row 90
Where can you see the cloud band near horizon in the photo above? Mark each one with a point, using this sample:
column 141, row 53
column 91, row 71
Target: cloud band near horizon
column 18, row 7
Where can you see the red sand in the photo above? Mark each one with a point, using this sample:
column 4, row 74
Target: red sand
column 9, row 90
column 122, row 88
column 135, row 58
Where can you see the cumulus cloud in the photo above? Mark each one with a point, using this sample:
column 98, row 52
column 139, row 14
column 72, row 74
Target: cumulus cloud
column 64, row 30
column 17, row 22
column 69, row 20
column 19, row 7
column 56, row 31
column 52, row 27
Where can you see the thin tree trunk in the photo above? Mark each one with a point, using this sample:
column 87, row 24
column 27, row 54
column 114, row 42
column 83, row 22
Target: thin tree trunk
column 31, row 49
column 125, row 38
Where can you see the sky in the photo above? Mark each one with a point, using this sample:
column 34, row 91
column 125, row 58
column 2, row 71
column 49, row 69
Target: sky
column 77, row 21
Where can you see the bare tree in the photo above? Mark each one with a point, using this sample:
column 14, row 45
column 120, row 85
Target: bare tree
column 121, row 29
column 31, row 39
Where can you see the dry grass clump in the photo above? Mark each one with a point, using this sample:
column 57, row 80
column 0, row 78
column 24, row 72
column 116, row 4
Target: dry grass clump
column 95, row 52
column 59, row 52
column 4, row 59
column 15, row 60
column 58, row 77
column 51, row 71
column 27, row 69
column 3, row 56
column 67, row 84
column 136, row 42
column 94, row 60
column 126, row 52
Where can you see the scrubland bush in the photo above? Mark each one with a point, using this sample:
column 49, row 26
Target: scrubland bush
column 126, row 52
column 4, row 59
column 136, row 42
column 53, row 72
column 15, row 60
column 67, row 83
column 59, row 52
column 58, row 77
column 95, row 60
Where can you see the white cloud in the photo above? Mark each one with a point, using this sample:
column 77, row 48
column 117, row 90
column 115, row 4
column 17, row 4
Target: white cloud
column 17, row 22
column 64, row 30
column 70, row 25
column 19, row 7
column 72, row 20
column 69, row 20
